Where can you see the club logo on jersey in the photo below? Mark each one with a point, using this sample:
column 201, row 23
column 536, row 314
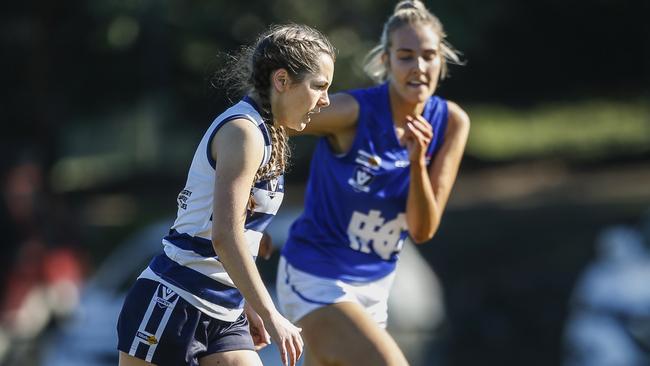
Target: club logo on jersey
column 273, row 184
column 368, row 160
column 405, row 163
column 402, row 163
column 361, row 179
column 182, row 198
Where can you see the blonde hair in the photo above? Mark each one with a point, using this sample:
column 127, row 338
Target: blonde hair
column 408, row 12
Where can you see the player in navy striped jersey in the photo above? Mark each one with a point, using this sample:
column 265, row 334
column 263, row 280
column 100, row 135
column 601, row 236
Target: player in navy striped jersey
column 193, row 304
column 382, row 171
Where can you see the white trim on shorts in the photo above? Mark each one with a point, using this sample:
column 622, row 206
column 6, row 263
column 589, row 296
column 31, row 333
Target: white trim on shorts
column 161, row 326
column 300, row 293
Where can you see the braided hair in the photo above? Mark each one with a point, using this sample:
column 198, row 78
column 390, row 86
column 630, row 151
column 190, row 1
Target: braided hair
column 296, row 48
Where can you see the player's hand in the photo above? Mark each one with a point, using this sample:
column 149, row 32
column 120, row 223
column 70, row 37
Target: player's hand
column 261, row 337
column 266, row 246
column 417, row 136
column 286, row 337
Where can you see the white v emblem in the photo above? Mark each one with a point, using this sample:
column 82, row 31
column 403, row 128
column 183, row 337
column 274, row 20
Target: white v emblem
column 167, row 293
column 274, row 184
column 362, row 177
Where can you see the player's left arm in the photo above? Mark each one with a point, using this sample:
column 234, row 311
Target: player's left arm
column 430, row 188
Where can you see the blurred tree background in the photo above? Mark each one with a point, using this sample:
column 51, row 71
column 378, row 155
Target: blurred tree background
column 113, row 96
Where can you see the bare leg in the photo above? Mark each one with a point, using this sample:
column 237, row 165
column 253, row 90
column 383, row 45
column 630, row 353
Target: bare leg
column 128, row 360
column 344, row 334
column 310, row 360
column 232, row 358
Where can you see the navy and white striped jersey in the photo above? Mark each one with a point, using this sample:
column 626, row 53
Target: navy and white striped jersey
column 189, row 264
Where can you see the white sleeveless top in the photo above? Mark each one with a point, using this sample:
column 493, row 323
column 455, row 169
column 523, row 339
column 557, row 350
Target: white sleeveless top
column 189, row 264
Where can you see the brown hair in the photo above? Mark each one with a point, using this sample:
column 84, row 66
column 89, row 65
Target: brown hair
column 407, row 12
column 294, row 47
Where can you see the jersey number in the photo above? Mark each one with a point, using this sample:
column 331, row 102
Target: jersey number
column 385, row 237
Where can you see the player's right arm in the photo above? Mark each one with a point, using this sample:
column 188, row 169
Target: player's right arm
column 238, row 150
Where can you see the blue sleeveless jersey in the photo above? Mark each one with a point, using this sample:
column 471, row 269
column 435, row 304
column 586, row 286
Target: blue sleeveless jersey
column 354, row 224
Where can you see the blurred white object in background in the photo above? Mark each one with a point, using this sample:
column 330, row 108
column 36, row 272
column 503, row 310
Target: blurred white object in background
column 610, row 307
column 416, row 299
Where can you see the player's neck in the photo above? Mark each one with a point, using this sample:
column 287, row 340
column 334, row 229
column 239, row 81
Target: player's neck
column 256, row 98
column 266, row 108
column 401, row 108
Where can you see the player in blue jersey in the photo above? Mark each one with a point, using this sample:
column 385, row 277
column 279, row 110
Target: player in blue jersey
column 198, row 302
column 383, row 170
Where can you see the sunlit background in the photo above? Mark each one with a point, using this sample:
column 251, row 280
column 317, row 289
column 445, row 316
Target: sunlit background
column 104, row 102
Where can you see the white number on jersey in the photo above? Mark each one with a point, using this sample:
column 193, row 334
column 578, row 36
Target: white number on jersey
column 385, row 238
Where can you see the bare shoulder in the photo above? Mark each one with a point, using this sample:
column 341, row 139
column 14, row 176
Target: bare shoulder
column 457, row 117
column 240, row 130
column 340, row 116
column 240, row 140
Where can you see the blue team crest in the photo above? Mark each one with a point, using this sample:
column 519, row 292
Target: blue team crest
column 361, row 179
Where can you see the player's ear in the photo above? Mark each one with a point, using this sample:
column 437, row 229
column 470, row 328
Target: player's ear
column 385, row 59
column 280, row 80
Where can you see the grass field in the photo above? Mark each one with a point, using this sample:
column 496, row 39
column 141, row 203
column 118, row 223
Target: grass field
column 585, row 130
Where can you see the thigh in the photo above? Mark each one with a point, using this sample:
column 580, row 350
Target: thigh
column 344, row 334
column 310, row 359
column 127, row 360
column 300, row 293
column 232, row 358
column 157, row 326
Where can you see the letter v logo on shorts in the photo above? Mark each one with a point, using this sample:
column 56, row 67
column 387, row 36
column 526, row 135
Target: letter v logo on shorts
column 165, row 296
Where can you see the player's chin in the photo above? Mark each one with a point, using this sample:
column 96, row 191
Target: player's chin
column 418, row 95
column 299, row 126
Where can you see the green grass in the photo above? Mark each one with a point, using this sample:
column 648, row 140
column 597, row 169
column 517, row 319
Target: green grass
column 582, row 131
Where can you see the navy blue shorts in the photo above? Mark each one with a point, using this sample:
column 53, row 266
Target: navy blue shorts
column 158, row 326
